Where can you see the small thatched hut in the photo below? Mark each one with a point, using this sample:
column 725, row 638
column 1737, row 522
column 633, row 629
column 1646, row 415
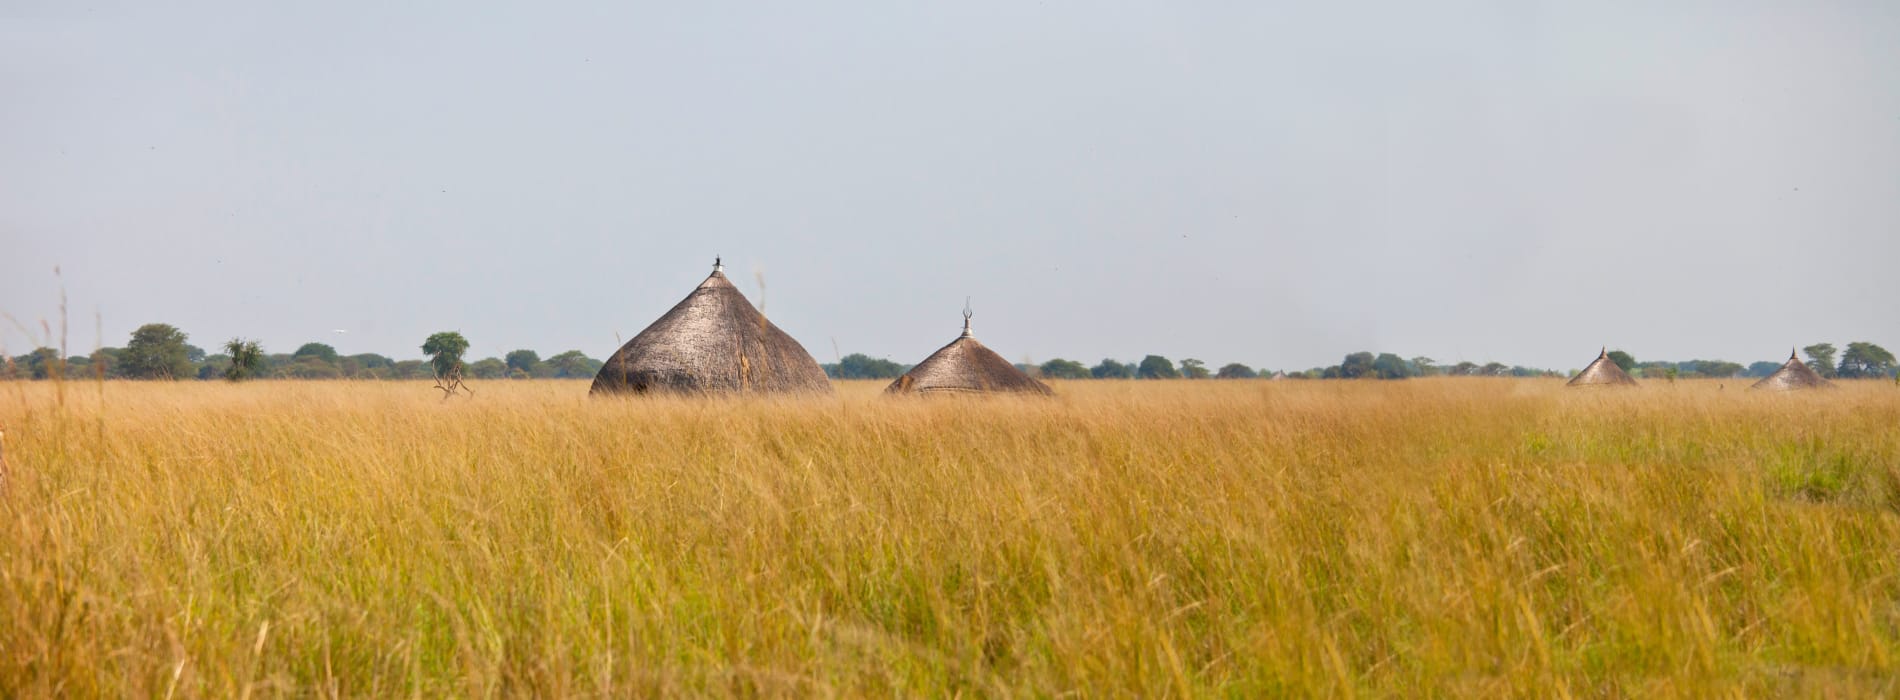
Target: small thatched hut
column 1602, row 372
column 966, row 367
column 713, row 342
column 1794, row 374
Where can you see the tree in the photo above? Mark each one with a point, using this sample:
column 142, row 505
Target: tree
column 1194, row 369
column 316, row 350
column 1156, row 367
column 42, row 363
column 1064, row 369
column 309, row 368
column 370, row 360
column 1463, row 369
column 1623, row 360
column 1235, row 370
column 858, row 365
column 1390, row 366
column 1761, row 369
column 1424, row 367
column 1866, row 361
column 523, row 360
column 1493, row 369
column 247, row 358
column 157, row 351
column 214, row 366
column 445, row 352
column 1718, row 369
column 445, row 357
column 574, row 365
column 1110, row 369
column 1821, row 358
column 488, row 368
column 1356, row 365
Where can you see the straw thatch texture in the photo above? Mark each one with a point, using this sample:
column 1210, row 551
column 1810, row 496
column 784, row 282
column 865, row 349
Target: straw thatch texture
column 1602, row 372
column 1794, row 374
column 712, row 342
column 966, row 367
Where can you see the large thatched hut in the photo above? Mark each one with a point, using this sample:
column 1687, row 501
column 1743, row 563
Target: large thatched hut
column 713, row 342
column 1794, row 374
column 1602, row 372
column 966, row 367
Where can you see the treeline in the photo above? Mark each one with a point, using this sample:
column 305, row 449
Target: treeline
column 161, row 351
column 1861, row 360
column 1354, row 366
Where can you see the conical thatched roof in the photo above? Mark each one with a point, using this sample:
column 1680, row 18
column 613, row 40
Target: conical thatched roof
column 1794, row 374
column 1602, row 372
column 966, row 367
column 712, row 342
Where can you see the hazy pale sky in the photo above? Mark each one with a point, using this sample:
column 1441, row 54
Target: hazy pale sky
column 1274, row 184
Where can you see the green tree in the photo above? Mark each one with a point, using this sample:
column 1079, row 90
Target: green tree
column 445, row 352
column 1356, row 365
column 371, row 361
column 1110, row 369
column 1761, row 369
column 247, row 359
column 1821, row 358
column 319, row 351
column 1424, row 367
column 488, row 368
column 1235, row 370
column 573, row 364
column 858, row 365
column 157, row 351
column 524, row 360
column 1194, row 369
column 1623, row 360
column 1866, row 361
column 42, row 363
column 1719, row 369
column 1156, row 367
column 214, row 366
column 1065, row 369
column 309, row 368
column 1390, row 366
column 79, row 367
column 1493, row 369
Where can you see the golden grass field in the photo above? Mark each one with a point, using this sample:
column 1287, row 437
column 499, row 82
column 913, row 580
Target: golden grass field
column 1440, row 537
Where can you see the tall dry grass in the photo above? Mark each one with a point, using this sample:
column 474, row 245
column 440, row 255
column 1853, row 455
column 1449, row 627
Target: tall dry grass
column 1436, row 537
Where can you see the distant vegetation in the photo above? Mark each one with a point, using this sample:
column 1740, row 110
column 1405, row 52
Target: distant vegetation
column 161, row 351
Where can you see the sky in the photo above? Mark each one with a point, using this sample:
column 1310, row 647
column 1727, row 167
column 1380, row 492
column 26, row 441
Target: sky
column 1277, row 184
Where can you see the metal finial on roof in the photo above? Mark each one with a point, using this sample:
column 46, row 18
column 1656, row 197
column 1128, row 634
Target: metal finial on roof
column 966, row 317
column 718, row 266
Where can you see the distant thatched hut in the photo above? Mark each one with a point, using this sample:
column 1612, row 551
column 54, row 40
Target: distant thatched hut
column 1602, row 372
column 713, row 342
column 966, row 367
column 1794, row 374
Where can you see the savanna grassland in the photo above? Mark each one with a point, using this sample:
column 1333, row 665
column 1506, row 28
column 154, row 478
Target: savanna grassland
column 1447, row 537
